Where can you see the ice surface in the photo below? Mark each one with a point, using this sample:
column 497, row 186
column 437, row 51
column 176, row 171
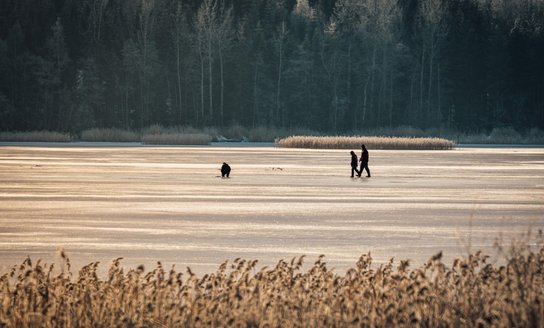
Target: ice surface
column 169, row 203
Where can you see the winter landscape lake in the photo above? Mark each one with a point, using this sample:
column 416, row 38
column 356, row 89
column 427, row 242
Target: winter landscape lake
column 169, row 204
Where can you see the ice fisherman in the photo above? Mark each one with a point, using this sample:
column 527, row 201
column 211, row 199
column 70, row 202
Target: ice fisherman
column 225, row 170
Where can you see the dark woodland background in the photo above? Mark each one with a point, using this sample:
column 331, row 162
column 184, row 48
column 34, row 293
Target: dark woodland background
column 330, row 65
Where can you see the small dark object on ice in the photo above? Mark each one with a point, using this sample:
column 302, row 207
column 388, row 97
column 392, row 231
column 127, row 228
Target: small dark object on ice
column 225, row 170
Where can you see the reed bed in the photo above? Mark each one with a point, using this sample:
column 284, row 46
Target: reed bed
column 109, row 135
column 261, row 133
column 177, row 139
column 178, row 135
column 35, row 136
column 371, row 142
column 503, row 135
column 472, row 292
column 506, row 135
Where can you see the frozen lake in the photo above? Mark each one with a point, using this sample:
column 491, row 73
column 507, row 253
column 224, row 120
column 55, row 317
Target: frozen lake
column 167, row 203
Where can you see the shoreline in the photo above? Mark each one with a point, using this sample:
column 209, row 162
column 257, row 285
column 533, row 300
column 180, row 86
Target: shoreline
column 94, row 144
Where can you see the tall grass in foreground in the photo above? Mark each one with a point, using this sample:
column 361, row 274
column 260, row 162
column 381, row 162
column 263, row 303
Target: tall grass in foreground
column 35, row 136
column 354, row 142
column 470, row 293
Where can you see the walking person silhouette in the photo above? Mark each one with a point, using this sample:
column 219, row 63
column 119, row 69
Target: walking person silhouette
column 354, row 164
column 364, row 162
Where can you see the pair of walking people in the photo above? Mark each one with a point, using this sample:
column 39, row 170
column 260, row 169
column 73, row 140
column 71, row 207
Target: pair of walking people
column 363, row 160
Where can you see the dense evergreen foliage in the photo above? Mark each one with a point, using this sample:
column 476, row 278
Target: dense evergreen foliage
column 333, row 65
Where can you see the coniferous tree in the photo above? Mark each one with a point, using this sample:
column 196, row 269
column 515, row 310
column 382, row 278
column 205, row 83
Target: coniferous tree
column 88, row 94
column 51, row 72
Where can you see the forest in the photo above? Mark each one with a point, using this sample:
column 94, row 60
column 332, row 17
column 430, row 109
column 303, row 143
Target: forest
column 328, row 65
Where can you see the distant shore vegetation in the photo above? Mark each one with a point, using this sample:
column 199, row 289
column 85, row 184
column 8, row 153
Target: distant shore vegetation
column 330, row 65
column 35, row 136
column 403, row 137
column 354, row 142
column 474, row 291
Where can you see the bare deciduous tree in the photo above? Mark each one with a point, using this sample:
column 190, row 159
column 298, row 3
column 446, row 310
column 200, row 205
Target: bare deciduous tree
column 280, row 39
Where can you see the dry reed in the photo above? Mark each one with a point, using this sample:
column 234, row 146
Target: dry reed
column 177, row 139
column 354, row 142
column 472, row 292
column 35, row 136
column 177, row 135
column 109, row 135
column 260, row 133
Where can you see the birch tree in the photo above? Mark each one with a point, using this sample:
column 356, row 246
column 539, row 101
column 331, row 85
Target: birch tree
column 148, row 52
column 431, row 31
column 332, row 64
column 97, row 10
column 50, row 74
column 179, row 39
column 131, row 58
column 280, row 39
column 224, row 35
column 206, row 29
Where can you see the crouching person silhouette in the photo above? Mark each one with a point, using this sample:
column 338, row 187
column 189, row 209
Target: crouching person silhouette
column 225, row 170
column 354, row 164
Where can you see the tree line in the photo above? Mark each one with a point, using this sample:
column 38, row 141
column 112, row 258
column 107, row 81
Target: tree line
column 331, row 65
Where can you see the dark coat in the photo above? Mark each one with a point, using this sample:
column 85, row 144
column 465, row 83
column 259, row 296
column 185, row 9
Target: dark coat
column 225, row 170
column 353, row 160
column 364, row 156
